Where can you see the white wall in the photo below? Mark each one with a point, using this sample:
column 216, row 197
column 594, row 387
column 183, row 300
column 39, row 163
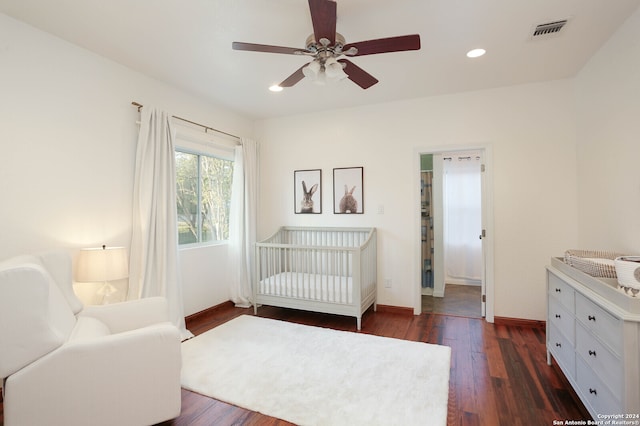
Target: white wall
column 608, row 123
column 68, row 135
column 531, row 132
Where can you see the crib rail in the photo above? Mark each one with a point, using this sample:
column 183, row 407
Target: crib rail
column 323, row 237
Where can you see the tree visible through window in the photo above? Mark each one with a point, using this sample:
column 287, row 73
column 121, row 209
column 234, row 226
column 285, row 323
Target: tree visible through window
column 203, row 186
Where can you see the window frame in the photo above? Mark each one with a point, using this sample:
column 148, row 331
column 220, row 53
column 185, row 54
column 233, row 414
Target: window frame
column 199, row 143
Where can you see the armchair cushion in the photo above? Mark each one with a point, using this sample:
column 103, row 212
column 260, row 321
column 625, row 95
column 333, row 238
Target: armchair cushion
column 88, row 328
column 133, row 314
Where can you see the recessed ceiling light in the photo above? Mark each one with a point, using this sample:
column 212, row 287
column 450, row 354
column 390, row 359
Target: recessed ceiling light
column 275, row 88
column 476, row 53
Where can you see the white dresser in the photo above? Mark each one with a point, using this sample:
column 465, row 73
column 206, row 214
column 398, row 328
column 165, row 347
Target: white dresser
column 593, row 333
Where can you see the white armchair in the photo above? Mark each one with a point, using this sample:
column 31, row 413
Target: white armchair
column 63, row 364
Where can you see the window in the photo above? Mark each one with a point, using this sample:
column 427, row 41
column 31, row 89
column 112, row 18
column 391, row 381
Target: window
column 203, row 184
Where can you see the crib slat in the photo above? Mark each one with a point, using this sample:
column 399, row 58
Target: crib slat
column 274, row 269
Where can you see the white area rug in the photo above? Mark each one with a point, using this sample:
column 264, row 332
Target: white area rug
column 317, row 376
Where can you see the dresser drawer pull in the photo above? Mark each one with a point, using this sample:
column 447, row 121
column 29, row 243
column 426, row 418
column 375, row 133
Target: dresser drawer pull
column 557, row 315
column 592, row 353
column 592, row 318
column 558, row 290
column 558, row 345
column 593, row 391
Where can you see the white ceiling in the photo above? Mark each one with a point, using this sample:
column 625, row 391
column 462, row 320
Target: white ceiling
column 188, row 44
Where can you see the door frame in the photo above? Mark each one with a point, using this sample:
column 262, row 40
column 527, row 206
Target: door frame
column 487, row 222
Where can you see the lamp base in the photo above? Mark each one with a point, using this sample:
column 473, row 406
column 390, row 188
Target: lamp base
column 107, row 291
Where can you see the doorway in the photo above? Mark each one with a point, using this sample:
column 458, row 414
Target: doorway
column 457, row 180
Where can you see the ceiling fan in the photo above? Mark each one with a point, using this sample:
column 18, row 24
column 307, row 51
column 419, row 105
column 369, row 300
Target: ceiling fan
column 327, row 47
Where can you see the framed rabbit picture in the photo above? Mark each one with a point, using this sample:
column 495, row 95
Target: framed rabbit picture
column 348, row 191
column 307, row 191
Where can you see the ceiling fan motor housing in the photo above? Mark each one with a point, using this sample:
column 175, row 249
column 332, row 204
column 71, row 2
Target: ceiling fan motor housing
column 322, row 47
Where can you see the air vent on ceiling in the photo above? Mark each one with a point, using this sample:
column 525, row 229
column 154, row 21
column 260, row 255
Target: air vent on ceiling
column 548, row 29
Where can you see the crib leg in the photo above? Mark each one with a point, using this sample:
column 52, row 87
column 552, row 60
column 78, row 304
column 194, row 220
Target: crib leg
column 255, row 309
column 359, row 323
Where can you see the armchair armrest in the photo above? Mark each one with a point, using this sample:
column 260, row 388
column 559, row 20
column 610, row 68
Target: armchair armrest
column 130, row 315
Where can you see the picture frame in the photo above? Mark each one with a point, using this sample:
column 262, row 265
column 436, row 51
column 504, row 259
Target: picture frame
column 348, row 190
column 307, row 191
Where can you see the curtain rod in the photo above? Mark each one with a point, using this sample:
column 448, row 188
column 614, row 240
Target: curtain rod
column 140, row 106
column 460, row 158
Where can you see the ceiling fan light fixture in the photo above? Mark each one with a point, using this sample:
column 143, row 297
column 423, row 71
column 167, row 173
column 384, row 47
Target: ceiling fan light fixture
column 322, row 71
column 334, row 71
column 275, row 88
column 312, row 70
column 320, row 80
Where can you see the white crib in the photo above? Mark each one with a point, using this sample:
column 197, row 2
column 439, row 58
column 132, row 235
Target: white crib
column 330, row 270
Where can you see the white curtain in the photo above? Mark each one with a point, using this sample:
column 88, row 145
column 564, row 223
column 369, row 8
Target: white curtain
column 462, row 216
column 242, row 223
column 153, row 269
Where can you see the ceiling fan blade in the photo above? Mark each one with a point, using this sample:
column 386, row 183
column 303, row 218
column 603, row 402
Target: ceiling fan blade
column 293, row 78
column 237, row 45
column 386, row 45
column 323, row 17
column 358, row 75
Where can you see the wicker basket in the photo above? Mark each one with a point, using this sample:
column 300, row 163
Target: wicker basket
column 597, row 263
column 628, row 270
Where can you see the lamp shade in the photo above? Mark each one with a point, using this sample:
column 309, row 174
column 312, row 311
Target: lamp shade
column 102, row 264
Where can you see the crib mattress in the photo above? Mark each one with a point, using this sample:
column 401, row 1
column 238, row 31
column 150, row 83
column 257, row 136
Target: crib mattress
column 324, row 288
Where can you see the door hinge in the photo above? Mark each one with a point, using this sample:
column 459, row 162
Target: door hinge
column 484, row 298
column 482, row 168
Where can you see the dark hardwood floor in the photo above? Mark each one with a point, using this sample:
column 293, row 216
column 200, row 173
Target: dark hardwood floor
column 459, row 300
column 499, row 374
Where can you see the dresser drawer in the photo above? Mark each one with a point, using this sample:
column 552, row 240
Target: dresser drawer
column 600, row 322
column 606, row 365
column 562, row 292
column 594, row 392
column 562, row 350
column 560, row 317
